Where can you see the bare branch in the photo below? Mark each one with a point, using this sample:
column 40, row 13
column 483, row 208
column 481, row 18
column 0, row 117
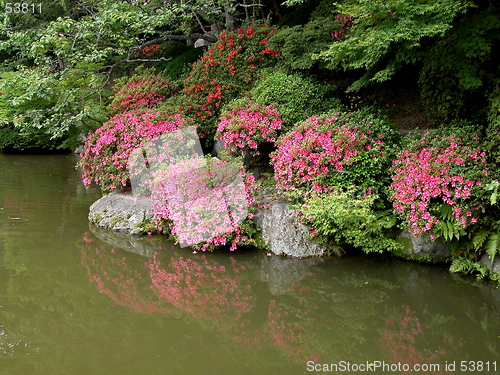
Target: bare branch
column 208, row 37
column 199, row 21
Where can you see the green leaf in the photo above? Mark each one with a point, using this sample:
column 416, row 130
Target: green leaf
column 479, row 239
column 444, row 228
column 450, row 230
column 492, row 246
column 446, row 212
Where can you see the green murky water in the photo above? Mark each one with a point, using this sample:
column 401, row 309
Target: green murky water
column 78, row 300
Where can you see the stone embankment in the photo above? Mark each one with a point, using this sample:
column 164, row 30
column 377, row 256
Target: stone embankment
column 280, row 230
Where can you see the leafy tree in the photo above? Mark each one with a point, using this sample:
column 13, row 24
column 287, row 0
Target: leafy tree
column 81, row 45
column 461, row 68
column 380, row 36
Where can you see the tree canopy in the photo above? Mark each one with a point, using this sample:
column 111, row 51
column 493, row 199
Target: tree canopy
column 59, row 59
column 64, row 53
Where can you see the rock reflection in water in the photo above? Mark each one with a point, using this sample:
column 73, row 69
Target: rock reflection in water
column 141, row 245
column 281, row 274
column 126, row 286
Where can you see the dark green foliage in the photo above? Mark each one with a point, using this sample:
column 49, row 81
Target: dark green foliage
column 492, row 139
column 298, row 44
column 13, row 138
column 181, row 58
column 302, row 13
column 39, row 101
column 460, row 67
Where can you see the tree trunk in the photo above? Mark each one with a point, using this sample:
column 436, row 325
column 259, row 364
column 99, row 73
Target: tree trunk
column 230, row 21
column 277, row 9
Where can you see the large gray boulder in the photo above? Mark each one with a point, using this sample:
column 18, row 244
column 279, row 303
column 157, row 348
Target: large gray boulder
column 201, row 43
column 421, row 248
column 285, row 234
column 495, row 266
column 218, row 148
column 122, row 212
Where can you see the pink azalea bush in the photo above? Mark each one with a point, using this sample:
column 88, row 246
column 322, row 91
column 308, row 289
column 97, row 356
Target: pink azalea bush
column 205, row 204
column 139, row 92
column 104, row 160
column 245, row 125
column 335, row 150
column 434, row 172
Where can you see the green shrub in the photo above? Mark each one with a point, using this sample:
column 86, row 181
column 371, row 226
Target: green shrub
column 296, row 96
column 346, row 217
column 297, row 44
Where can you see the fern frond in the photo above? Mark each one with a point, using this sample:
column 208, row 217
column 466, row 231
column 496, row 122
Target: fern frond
column 492, row 246
column 479, row 238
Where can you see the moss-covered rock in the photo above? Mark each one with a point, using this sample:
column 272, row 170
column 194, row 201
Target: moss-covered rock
column 124, row 212
column 422, row 249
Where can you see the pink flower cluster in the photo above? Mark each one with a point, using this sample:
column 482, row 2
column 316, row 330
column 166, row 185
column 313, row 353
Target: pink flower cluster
column 244, row 128
column 203, row 203
column 427, row 171
column 317, row 148
column 107, row 150
column 346, row 24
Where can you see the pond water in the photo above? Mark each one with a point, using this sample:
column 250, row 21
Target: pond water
column 78, row 300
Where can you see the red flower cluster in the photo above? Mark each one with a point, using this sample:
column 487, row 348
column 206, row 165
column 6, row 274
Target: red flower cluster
column 137, row 93
column 153, row 50
column 225, row 70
